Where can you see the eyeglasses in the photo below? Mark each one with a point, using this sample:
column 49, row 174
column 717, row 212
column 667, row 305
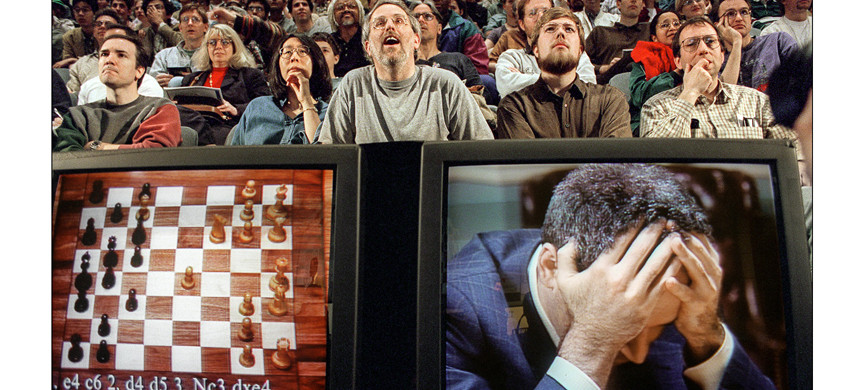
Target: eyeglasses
column 82, row 10
column 731, row 14
column 691, row 44
column 193, row 19
column 689, row 2
column 100, row 23
column 255, row 8
column 285, row 53
column 674, row 24
column 537, row 11
column 343, row 6
column 224, row 42
column 427, row 16
column 380, row 22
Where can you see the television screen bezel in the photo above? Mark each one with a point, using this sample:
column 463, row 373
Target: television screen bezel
column 342, row 160
column 438, row 157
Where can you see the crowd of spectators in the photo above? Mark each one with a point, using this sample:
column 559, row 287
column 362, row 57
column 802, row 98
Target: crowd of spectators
column 434, row 69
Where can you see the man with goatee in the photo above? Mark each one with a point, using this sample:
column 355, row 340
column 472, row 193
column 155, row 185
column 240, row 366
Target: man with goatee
column 559, row 104
column 394, row 99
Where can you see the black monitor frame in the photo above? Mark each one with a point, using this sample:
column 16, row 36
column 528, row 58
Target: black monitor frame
column 343, row 160
column 779, row 155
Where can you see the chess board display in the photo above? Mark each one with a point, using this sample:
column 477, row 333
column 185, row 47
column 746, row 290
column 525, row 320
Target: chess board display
column 169, row 279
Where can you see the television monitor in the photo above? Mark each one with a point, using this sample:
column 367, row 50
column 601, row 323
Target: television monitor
column 228, row 267
column 749, row 191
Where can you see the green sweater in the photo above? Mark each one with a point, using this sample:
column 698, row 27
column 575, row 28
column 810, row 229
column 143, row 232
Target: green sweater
column 642, row 90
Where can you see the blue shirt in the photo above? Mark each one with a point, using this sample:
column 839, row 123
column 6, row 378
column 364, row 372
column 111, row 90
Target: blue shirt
column 264, row 123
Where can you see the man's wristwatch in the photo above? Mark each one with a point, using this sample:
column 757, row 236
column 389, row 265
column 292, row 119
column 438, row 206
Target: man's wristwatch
column 95, row 145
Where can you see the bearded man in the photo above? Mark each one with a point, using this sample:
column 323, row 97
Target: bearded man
column 394, row 99
column 559, row 104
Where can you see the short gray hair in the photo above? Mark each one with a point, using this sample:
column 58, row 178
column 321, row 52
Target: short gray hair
column 415, row 25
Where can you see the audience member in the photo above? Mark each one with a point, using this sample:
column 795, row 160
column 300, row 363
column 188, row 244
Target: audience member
column 258, row 34
column 330, row 50
column 226, row 64
column 93, row 89
column 60, row 24
column 60, row 99
column 394, row 99
column 462, row 36
column 655, row 69
column 139, row 14
column 300, row 87
column 509, row 22
column 160, row 31
column 87, row 66
column 590, row 14
column 760, row 55
column 704, row 106
column 124, row 10
column 688, row 9
column 582, row 110
column 258, row 8
column 796, row 21
column 305, row 21
column 193, row 26
column 347, row 18
column 430, row 21
column 606, row 46
column 79, row 41
column 124, row 119
column 280, row 16
column 528, row 12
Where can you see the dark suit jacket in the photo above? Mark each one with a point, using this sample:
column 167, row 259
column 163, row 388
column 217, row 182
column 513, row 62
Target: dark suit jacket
column 489, row 272
column 239, row 87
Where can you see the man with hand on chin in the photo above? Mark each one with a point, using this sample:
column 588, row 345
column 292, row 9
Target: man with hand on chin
column 620, row 290
column 559, row 104
column 394, row 99
column 125, row 119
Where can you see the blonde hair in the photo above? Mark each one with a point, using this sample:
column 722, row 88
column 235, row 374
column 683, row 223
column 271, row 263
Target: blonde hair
column 241, row 58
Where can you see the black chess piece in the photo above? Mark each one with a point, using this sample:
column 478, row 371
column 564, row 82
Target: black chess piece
column 145, row 189
column 139, row 235
column 137, row 260
column 76, row 353
column 89, row 236
column 117, row 214
column 103, row 355
column 108, row 279
column 131, row 301
column 84, row 280
column 104, row 327
column 96, row 195
column 82, row 304
column 110, row 259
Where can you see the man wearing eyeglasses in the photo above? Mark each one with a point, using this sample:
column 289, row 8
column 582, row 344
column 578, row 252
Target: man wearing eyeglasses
column 346, row 18
column 394, row 99
column 760, row 55
column 606, row 45
column 176, row 61
column 704, row 106
column 559, row 104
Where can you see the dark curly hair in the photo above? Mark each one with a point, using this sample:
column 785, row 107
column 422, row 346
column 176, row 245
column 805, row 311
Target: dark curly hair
column 319, row 80
column 596, row 203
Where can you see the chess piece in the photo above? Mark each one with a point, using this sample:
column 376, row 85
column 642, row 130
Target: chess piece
column 104, row 327
column 188, row 281
column 84, row 280
column 137, row 259
column 246, row 235
column 108, row 279
column 143, row 212
column 96, row 194
column 246, row 333
column 103, row 355
column 117, row 214
column 145, row 190
column 89, row 236
column 246, row 307
column 247, row 214
column 280, row 279
column 247, row 359
column 76, row 353
column 139, row 235
column 82, row 304
column 217, row 231
column 278, row 208
column 281, row 358
column 278, row 306
column 277, row 232
column 131, row 301
column 249, row 191
column 110, row 259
